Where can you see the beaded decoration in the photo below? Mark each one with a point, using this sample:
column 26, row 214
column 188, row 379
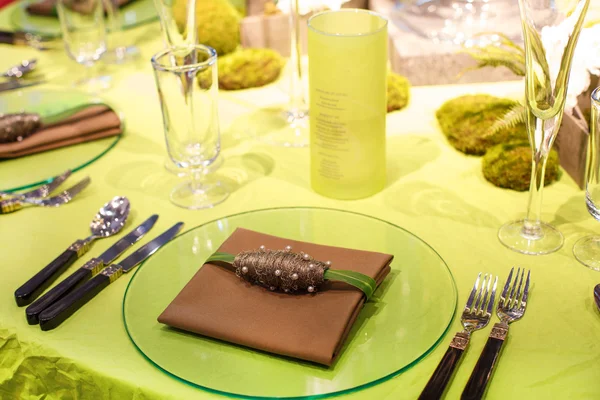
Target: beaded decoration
column 290, row 272
column 281, row 269
column 16, row 127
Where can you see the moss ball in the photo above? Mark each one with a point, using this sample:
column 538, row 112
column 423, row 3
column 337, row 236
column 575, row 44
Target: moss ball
column 466, row 122
column 218, row 23
column 398, row 92
column 509, row 166
column 249, row 68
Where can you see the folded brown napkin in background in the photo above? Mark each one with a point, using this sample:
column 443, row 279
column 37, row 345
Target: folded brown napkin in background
column 94, row 122
column 218, row 304
column 48, row 7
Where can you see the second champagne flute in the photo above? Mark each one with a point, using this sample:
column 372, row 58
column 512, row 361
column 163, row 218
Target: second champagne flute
column 587, row 249
column 187, row 82
column 84, row 35
column 545, row 93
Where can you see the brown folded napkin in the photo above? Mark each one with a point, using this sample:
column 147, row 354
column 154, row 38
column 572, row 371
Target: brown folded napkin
column 91, row 123
column 313, row 327
column 48, row 7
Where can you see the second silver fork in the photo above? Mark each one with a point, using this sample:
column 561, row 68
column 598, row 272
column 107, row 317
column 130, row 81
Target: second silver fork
column 476, row 315
column 511, row 308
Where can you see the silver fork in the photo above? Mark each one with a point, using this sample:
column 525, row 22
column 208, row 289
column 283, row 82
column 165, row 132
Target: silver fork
column 39, row 192
column 476, row 315
column 12, row 205
column 511, row 308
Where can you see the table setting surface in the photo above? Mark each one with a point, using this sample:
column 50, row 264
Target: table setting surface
column 432, row 191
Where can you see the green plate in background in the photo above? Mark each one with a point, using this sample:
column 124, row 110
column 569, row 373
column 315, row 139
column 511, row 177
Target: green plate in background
column 136, row 13
column 405, row 319
column 28, row 171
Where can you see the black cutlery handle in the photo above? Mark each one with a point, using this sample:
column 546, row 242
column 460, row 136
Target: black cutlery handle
column 58, row 312
column 443, row 373
column 477, row 384
column 31, row 289
column 10, row 205
column 59, row 291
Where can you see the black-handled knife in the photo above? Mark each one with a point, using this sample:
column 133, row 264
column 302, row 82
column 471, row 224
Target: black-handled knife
column 54, row 315
column 87, row 271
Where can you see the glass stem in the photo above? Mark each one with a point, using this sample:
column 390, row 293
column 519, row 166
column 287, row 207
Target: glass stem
column 297, row 102
column 531, row 226
column 196, row 182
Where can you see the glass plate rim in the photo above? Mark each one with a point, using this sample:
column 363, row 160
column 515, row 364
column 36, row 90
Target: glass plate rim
column 79, row 168
column 318, row 396
column 116, row 140
column 21, row 7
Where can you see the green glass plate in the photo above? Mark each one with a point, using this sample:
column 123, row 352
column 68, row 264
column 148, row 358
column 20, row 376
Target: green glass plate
column 404, row 320
column 136, row 13
column 25, row 172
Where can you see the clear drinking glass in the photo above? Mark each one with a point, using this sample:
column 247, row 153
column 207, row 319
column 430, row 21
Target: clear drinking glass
column 545, row 93
column 285, row 124
column 587, row 249
column 187, row 82
column 118, row 51
column 84, row 36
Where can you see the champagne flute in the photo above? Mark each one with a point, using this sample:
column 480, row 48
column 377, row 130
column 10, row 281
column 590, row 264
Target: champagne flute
column 118, row 52
column 84, row 37
column 587, row 249
column 545, row 92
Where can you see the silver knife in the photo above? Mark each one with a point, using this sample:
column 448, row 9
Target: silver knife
column 54, row 315
column 17, row 84
column 87, row 271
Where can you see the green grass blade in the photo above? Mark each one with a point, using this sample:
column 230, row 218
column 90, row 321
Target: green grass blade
column 361, row 281
column 224, row 257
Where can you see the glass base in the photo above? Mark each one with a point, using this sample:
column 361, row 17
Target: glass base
column 544, row 239
column 278, row 126
column 208, row 194
column 171, row 167
column 587, row 252
column 121, row 55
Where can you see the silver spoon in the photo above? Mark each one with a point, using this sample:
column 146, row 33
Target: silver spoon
column 597, row 295
column 109, row 220
column 19, row 70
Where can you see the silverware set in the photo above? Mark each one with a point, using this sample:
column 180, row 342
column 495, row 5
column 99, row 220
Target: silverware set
column 27, row 39
column 476, row 315
column 11, row 202
column 16, row 73
column 60, row 302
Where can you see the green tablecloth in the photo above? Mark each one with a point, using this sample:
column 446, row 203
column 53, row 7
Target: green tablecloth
column 433, row 191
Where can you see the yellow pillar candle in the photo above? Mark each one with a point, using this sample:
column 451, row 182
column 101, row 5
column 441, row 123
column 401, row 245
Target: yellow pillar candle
column 347, row 52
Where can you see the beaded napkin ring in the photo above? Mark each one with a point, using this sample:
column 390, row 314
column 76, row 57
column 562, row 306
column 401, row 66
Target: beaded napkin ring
column 290, row 272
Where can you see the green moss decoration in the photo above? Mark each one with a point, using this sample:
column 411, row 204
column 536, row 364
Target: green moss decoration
column 398, row 92
column 466, row 122
column 249, row 68
column 509, row 166
column 218, row 23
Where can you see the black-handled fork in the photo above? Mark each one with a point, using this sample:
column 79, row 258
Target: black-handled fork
column 511, row 308
column 476, row 315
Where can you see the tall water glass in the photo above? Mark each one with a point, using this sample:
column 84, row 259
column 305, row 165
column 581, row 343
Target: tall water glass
column 587, row 249
column 187, row 82
column 84, row 37
column 545, row 93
